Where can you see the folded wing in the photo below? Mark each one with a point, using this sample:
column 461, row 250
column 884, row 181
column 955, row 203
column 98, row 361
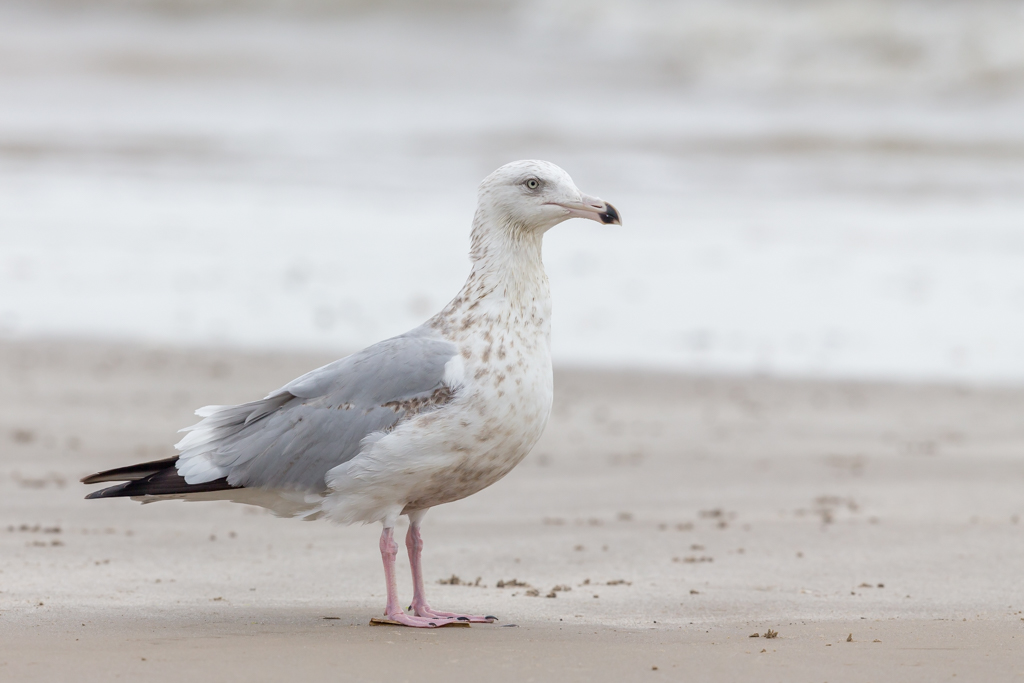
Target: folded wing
column 293, row 437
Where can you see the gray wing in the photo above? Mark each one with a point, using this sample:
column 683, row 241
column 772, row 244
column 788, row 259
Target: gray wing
column 294, row 436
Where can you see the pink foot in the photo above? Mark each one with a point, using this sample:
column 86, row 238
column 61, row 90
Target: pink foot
column 419, row 605
column 424, row 610
column 416, row 622
column 393, row 611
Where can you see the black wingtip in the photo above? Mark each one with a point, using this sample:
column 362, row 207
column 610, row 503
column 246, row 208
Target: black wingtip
column 164, row 482
column 110, row 492
column 131, row 472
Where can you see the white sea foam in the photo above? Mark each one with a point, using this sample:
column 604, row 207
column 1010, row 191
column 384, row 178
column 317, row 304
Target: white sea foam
column 827, row 188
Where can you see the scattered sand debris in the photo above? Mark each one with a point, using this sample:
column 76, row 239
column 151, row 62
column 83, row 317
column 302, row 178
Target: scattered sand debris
column 771, row 634
column 532, row 593
column 586, row 582
column 654, row 668
column 849, row 638
column 23, row 436
column 456, row 581
column 619, row 582
column 561, row 588
column 684, row 526
column 625, row 516
column 551, row 594
column 693, row 592
column 691, row 559
column 513, row 583
column 826, row 506
column 696, row 546
column 876, row 640
column 554, row 521
column 881, row 585
column 332, row 618
column 754, row 635
column 865, row 585
column 34, row 529
column 763, row 650
column 579, row 548
column 217, row 599
column 710, row 514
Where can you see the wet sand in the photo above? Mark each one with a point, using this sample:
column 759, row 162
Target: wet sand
column 682, row 513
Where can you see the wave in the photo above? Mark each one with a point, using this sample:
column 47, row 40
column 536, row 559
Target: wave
column 935, row 45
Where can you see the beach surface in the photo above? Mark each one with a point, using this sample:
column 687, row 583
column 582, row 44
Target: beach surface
column 874, row 527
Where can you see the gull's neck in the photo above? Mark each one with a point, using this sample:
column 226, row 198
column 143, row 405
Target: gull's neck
column 507, row 280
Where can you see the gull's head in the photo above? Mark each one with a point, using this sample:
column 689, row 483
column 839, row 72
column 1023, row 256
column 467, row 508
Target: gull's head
column 536, row 196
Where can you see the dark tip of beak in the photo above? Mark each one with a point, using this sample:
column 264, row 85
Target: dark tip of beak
column 609, row 215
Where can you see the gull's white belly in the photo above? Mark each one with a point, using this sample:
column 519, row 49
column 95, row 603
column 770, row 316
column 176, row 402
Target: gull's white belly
column 495, row 419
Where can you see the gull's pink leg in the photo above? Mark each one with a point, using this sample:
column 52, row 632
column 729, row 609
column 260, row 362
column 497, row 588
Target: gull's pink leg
column 393, row 611
column 414, row 543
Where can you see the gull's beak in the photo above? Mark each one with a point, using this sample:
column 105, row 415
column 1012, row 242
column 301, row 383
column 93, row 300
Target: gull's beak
column 593, row 208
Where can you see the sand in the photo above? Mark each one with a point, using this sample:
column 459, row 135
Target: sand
column 682, row 513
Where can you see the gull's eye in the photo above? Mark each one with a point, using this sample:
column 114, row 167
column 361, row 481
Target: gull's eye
column 532, row 183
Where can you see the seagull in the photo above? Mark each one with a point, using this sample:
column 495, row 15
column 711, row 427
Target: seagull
column 425, row 418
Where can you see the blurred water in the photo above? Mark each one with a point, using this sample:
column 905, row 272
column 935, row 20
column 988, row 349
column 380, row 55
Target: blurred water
column 824, row 188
